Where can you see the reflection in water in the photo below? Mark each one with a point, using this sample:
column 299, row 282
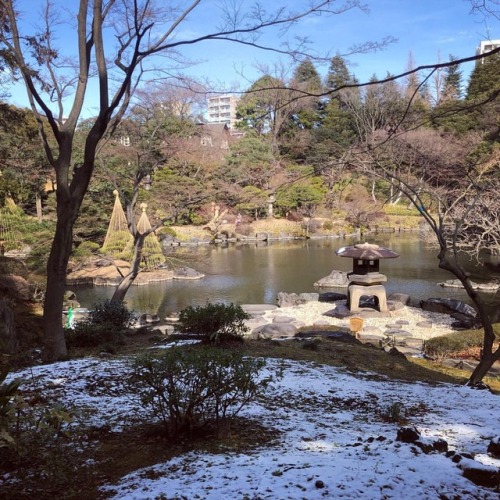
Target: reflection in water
column 256, row 273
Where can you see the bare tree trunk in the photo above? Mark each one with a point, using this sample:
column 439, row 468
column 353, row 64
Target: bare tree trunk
column 126, row 282
column 123, row 287
column 488, row 356
column 483, row 367
column 55, row 344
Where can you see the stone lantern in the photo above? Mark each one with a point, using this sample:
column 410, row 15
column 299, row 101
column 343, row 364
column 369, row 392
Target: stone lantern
column 365, row 278
column 271, row 200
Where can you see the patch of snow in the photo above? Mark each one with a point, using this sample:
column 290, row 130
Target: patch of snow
column 333, row 442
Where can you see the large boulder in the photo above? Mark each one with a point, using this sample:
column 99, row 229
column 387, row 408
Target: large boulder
column 275, row 330
column 187, row 273
column 332, row 297
column 427, row 444
column 290, row 299
column 15, row 287
column 401, row 298
column 494, row 447
column 336, row 279
column 480, row 474
column 448, row 306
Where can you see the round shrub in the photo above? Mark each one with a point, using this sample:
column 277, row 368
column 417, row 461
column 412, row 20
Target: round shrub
column 105, row 324
column 215, row 323
column 189, row 388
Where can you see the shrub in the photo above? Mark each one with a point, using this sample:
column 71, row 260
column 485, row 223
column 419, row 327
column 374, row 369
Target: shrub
column 8, row 399
column 400, row 210
column 26, row 429
column 395, row 413
column 104, row 325
column 448, row 345
column 167, row 231
column 187, row 389
column 215, row 323
column 85, row 249
column 328, row 225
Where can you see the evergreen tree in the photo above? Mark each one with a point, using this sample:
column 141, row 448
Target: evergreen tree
column 306, row 80
column 453, row 82
column 484, row 89
column 338, row 74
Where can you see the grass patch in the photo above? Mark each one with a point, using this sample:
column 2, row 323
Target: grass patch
column 464, row 344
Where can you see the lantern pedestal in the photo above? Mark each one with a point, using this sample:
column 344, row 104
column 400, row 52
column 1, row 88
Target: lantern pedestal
column 355, row 292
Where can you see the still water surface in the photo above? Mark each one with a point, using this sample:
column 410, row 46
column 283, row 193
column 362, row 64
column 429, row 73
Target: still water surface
column 255, row 273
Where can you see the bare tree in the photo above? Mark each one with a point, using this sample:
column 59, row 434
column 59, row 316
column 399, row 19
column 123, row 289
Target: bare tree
column 456, row 190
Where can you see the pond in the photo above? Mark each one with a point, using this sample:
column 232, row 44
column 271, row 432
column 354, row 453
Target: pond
column 255, row 273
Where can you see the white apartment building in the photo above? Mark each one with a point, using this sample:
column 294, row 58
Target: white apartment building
column 222, row 109
column 487, row 46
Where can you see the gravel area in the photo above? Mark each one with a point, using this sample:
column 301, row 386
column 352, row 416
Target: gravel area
column 418, row 323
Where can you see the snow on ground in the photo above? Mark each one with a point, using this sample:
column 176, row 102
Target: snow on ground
column 333, row 443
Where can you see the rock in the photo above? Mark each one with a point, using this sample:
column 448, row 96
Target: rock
column 392, row 326
column 172, row 319
column 427, row 445
column 336, row 279
column 480, row 386
column 464, row 322
column 494, row 447
column 430, row 445
column 255, row 322
column 448, row 306
column 15, row 287
column 258, row 309
column 166, row 329
column 8, row 338
column 402, row 298
column 293, row 299
column 148, row 319
column 488, row 287
column 330, row 334
column 407, row 434
column 480, row 474
column 394, row 305
column 331, row 297
column 187, row 273
column 283, row 319
column 451, row 284
column 309, row 297
column 372, row 313
column 397, row 333
column 274, row 330
column 340, row 311
column 485, row 287
column 424, row 324
column 395, row 352
column 321, row 322
column 289, row 299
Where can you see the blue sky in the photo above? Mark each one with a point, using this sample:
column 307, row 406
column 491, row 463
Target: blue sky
column 429, row 29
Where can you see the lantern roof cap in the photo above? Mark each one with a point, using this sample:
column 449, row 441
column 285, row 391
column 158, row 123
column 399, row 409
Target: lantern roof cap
column 367, row 251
